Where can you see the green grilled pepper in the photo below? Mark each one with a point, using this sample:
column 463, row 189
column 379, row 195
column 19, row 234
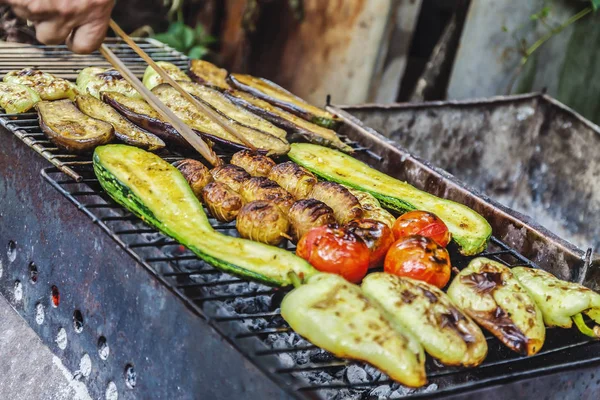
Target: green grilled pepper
column 489, row 293
column 335, row 315
column 16, row 98
column 429, row 314
column 47, row 86
column 152, row 79
column 94, row 80
column 561, row 302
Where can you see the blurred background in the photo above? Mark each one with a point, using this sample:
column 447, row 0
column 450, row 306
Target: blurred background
column 383, row 51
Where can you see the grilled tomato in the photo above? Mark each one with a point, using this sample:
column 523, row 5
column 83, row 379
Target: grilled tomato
column 333, row 249
column 420, row 258
column 377, row 236
column 422, row 223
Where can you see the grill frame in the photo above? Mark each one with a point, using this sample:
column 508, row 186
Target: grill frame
column 370, row 144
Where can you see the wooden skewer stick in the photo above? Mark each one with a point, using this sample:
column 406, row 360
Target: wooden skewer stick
column 188, row 134
column 199, row 105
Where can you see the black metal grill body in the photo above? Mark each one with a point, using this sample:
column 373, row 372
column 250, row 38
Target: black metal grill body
column 193, row 332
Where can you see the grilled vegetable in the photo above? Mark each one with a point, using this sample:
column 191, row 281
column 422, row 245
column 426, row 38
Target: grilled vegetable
column 421, row 258
column 202, row 123
column 16, row 98
column 429, row 314
column 293, row 178
column 231, row 175
column 260, row 188
column 421, row 223
column 337, row 250
column 306, row 214
column 343, row 203
column 469, row 230
column 47, row 86
column 69, row 128
column 377, row 236
column 195, row 173
column 94, row 80
column 298, row 129
column 223, row 203
column 155, row 191
column 336, row 315
column 278, row 96
column 152, row 79
column 140, row 113
column 220, row 103
column 561, row 302
column 489, row 293
column 263, row 222
column 125, row 131
column 372, row 208
column 253, row 163
column 209, row 74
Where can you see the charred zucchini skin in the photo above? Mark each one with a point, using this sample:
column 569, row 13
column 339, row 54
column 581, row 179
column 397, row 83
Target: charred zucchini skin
column 195, row 231
column 469, row 229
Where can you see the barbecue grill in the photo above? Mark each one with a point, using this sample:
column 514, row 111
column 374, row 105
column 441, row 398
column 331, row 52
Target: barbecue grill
column 97, row 284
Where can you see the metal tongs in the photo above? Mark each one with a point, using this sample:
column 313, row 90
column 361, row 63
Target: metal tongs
column 185, row 131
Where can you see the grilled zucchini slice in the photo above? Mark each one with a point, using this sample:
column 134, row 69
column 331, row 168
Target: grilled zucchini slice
column 70, row 129
column 49, row 87
column 94, row 80
column 152, row 79
column 208, row 74
column 278, row 96
column 16, row 98
column 156, row 191
column 469, row 229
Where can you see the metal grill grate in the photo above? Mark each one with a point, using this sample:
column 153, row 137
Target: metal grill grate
column 243, row 310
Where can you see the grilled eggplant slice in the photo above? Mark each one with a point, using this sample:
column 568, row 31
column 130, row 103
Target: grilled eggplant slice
column 262, row 221
column 195, row 173
column 155, row 191
column 335, row 315
column 70, row 129
column 372, row 207
column 293, row 178
column 223, row 203
column 152, row 79
column 16, row 98
column 489, row 293
column 428, row 313
column 343, row 203
column 561, row 302
column 202, row 123
column 253, row 163
column 231, row 175
column 47, row 86
column 469, row 229
column 208, row 74
column 278, row 96
column 261, row 188
column 298, row 129
column 307, row 214
column 221, row 104
column 125, row 131
column 94, row 80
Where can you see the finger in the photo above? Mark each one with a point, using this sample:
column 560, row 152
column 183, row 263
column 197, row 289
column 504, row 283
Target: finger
column 88, row 37
column 53, row 31
column 21, row 12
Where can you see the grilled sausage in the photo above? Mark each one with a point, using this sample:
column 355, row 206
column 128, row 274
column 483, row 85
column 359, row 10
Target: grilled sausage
column 261, row 188
column 262, row 221
column 372, row 208
column 306, row 214
column 231, row 175
column 344, row 204
column 195, row 173
column 293, row 178
column 253, row 163
column 223, row 203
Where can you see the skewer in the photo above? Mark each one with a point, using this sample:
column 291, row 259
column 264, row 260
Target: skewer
column 190, row 136
column 202, row 107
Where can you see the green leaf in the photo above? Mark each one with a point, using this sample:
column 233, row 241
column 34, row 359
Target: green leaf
column 504, row 28
column 197, row 52
column 176, row 28
column 169, row 40
column 207, row 40
column 200, row 32
column 534, row 17
column 595, row 4
column 187, row 37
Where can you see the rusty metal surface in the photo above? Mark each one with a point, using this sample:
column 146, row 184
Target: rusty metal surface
column 467, row 139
